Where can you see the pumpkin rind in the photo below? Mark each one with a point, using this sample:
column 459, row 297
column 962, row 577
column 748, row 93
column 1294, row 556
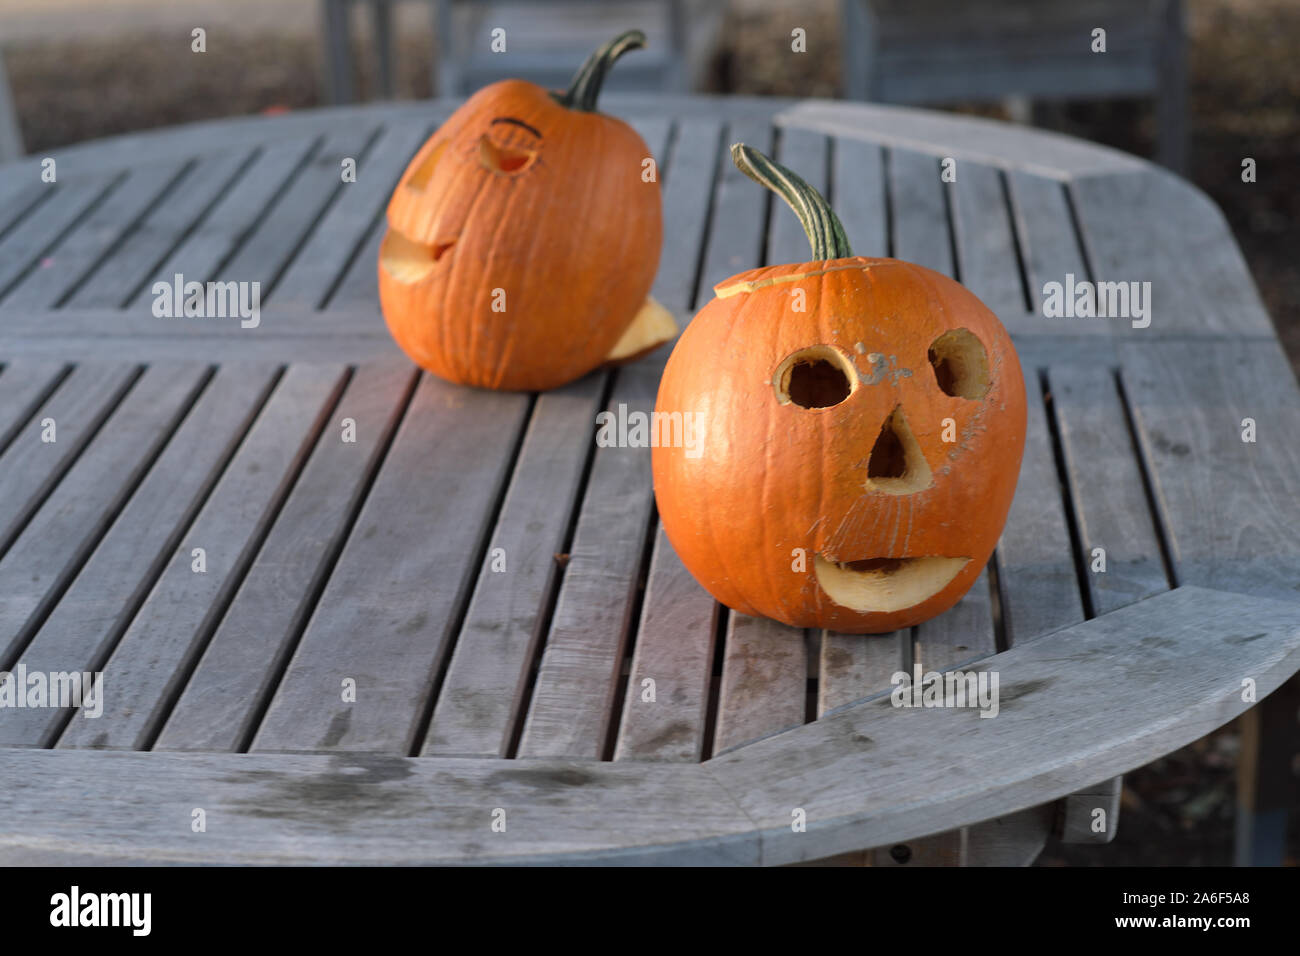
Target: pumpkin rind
column 776, row 482
column 863, row 423
column 522, row 241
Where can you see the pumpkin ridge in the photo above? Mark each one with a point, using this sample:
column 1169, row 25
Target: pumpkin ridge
column 452, row 285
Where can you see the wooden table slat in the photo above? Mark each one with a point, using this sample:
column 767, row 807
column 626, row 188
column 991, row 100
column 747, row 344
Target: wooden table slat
column 858, row 195
column 388, row 612
column 687, row 183
column 919, row 214
column 93, row 238
column 961, row 635
column 76, row 410
column 1148, row 226
column 343, row 229
column 1035, row 558
column 19, row 197
column 765, row 676
column 1235, row 521
column 24, row 385
column 735, row 240
column 288, row 219
column 482, row 693
column 221, row 703
column 90, row 616
column 71, row 520
column 23, row 246
column 570, row 710
column 233, row 214
column 1107, row 487
column 986, row 243
column 128, row 269
column 149, row 662
column 665, row 719
column 1140, row 682
column 854, row 666
column 1048, row 241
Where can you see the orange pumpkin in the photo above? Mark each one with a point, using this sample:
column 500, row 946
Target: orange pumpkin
column 523, row 239
column 863, row 423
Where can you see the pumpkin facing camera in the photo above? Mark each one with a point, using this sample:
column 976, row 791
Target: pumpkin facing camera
column 864, row 421
column 523, row 238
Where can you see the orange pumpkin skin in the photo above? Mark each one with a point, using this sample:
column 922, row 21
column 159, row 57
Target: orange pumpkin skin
column 775, row 481
column 521, row 241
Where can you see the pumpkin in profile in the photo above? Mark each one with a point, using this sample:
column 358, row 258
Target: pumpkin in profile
column 523, row 238
column 864, row 424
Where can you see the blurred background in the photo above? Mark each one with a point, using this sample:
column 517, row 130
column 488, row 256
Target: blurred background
column 1200, row 85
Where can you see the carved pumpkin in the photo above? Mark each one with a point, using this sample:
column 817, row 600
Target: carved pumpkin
column 522, row 239
column 864, row 421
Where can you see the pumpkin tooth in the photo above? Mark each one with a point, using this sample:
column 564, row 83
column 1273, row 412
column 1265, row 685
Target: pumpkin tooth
column 885, row 584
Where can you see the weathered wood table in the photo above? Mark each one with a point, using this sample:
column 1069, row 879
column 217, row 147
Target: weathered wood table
column 348, row 613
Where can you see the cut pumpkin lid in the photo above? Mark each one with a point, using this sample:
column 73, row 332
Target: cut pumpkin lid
column 764, row 276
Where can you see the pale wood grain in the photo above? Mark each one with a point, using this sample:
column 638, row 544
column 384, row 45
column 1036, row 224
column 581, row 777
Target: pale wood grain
column 99, row 604
column 220, row 704
column 150, row 661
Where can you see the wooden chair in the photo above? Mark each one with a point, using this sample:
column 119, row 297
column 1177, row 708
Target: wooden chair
column 546, row 42
column 929, row 51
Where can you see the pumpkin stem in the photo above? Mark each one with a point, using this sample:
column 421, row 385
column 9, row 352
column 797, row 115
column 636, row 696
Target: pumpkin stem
column 586, row 83
column 825, row 232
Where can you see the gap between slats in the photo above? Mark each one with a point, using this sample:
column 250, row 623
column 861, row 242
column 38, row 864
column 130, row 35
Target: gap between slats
column 149, row 580
column 34, row 263
column 184, row 234
column 321, row 213
column 377, row 222
column 73, row 567
column 130, row 228
column 83, row 441
column 245, row 562
column 260, row 707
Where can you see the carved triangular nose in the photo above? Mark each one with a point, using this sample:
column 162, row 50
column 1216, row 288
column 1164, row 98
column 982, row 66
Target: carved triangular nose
column 897, row 465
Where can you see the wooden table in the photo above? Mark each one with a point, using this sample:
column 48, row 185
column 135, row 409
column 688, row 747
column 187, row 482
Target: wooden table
column 437, row 642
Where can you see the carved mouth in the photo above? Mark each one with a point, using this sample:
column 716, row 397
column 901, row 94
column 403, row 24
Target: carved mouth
column 408, row 261
column 885, row 584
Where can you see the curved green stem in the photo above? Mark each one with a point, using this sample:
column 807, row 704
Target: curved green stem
column 825, row 232
column 585, row 87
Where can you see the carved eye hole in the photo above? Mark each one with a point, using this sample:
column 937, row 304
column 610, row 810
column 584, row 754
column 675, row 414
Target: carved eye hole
column 961, row 366
column 816, row 377
column 504, row 159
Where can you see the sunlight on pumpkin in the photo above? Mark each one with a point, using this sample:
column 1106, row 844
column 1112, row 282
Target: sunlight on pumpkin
column 408, row 261
column 420, row 178
column 897, row 465
column 652, row 326
column 885, row 584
